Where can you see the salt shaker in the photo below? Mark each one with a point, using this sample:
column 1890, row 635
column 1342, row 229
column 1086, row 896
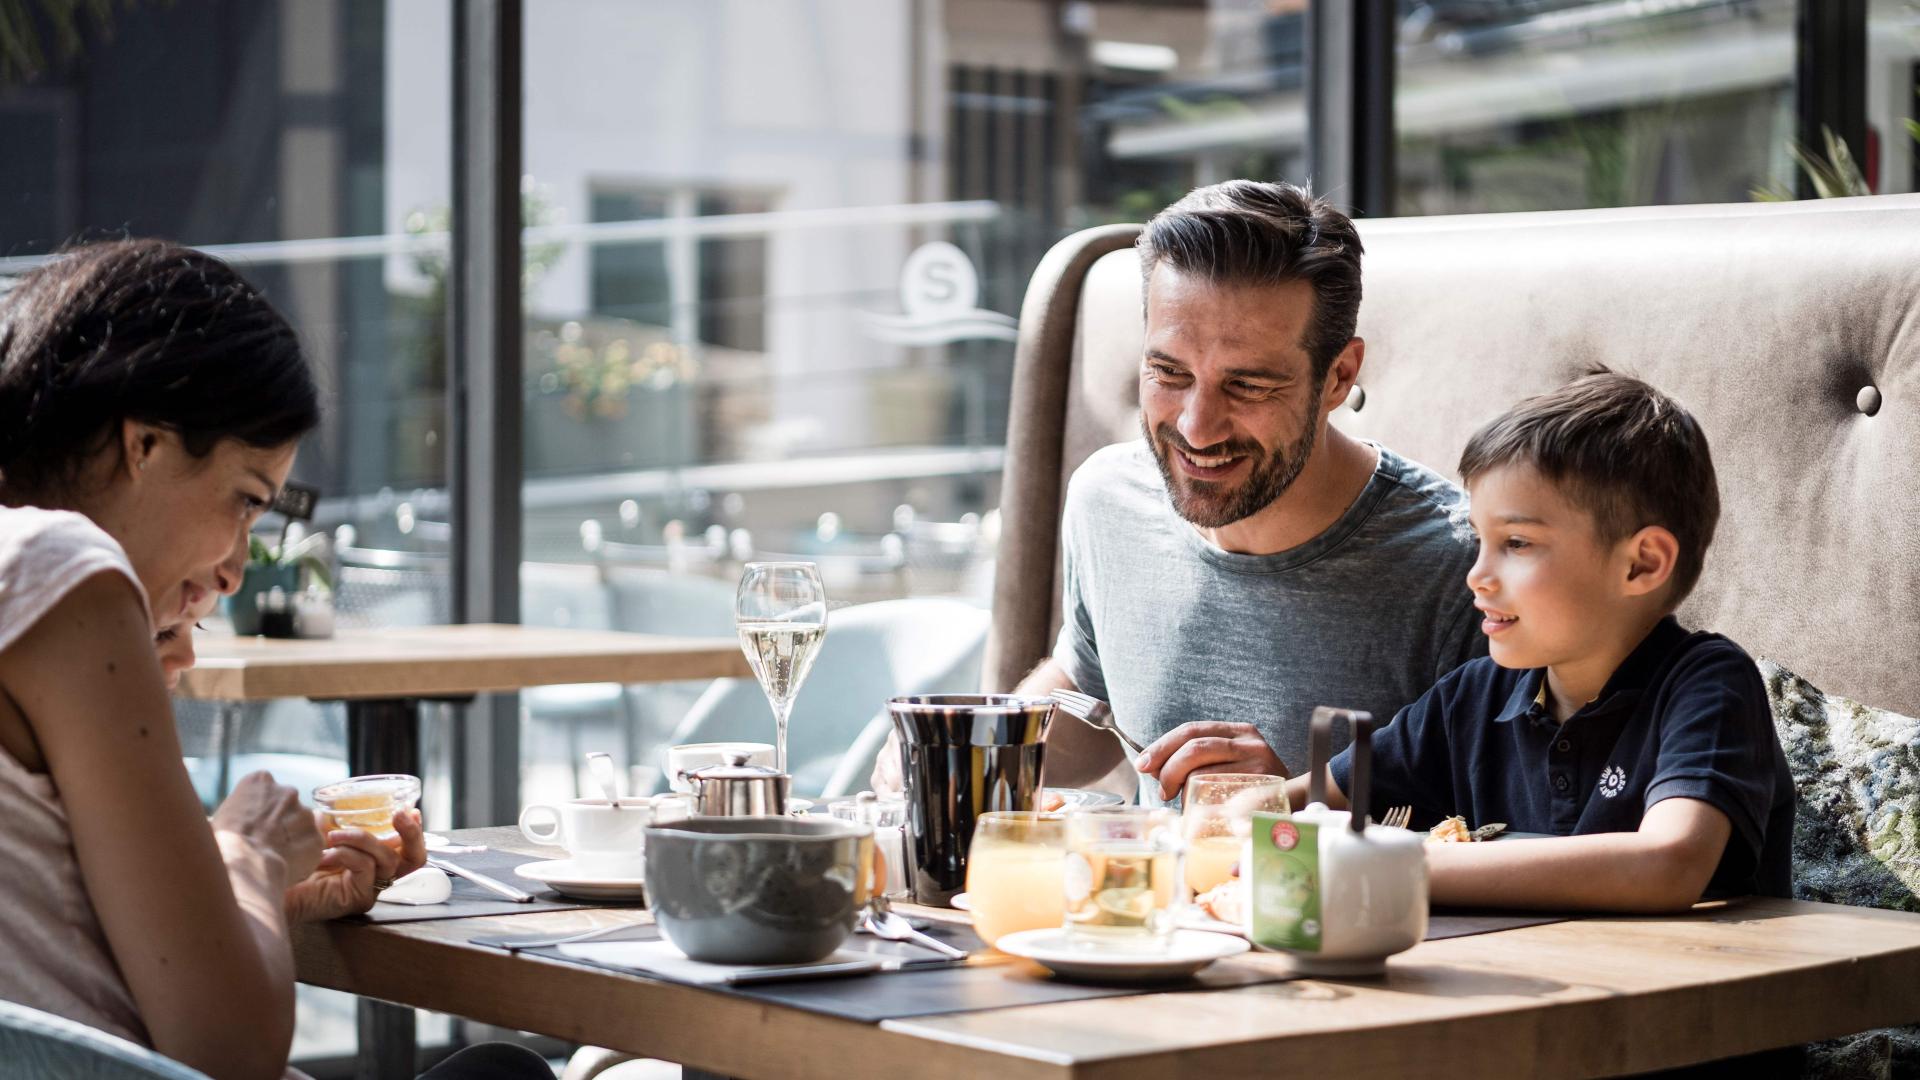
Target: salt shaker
column 888, row 816
column 313, row 614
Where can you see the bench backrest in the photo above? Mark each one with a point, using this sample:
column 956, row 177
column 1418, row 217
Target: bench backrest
column 1791, row 330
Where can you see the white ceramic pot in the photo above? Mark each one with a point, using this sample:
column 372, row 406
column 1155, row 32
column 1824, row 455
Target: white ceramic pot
column 1373, row 895
column 1368, row 885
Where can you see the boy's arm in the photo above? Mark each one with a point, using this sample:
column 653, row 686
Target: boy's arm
column 1412, row 763
column 1664, row 867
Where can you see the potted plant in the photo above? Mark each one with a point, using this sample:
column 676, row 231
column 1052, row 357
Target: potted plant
column 277, row 566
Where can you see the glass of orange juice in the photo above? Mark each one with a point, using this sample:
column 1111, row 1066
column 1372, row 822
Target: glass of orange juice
column 1016, row 870
column 1215, row 812
column 368, row 802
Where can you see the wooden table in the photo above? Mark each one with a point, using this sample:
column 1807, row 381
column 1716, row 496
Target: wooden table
column 384, row 675
column 1586, row 998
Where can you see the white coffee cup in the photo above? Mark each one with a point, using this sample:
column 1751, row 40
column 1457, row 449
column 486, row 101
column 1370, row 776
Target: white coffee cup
column 601, row 838
column 687, row 758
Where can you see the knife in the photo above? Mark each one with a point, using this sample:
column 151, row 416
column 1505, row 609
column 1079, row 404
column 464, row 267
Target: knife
column 490, row 884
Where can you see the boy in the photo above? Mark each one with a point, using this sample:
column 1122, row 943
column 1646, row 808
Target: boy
column 1647, row 751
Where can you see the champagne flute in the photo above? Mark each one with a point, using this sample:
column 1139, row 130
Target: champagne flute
column 780, row 612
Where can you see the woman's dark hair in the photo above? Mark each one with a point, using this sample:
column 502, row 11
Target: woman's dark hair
column 147, row 331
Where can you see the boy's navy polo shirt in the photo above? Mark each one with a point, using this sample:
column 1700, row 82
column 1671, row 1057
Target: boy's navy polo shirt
column 1685, row 715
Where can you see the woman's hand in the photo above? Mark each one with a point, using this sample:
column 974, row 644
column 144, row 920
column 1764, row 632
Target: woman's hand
column 269, row 817
column 354, row 868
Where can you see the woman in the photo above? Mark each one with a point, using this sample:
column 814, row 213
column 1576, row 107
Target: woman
column 150, row 406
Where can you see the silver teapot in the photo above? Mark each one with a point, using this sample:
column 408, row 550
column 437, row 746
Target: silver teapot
column 738, row 789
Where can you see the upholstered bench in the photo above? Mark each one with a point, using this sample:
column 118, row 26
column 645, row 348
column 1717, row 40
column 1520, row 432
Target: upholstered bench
column 1791, row 330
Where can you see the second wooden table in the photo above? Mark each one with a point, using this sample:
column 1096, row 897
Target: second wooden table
column 384, row 675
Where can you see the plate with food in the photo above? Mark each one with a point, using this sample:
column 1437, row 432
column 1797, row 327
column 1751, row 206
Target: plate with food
column 1061, row 799
column 1455, row 830
column 1186, row 952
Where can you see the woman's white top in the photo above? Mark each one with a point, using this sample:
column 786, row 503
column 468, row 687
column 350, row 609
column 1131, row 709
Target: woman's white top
column 53, row 954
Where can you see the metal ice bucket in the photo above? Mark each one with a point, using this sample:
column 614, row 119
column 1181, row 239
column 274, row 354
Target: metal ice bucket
column 962, row 755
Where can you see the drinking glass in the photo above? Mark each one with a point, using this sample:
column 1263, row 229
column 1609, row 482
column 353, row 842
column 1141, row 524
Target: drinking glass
column 780, row 611
column 1016, row 873
column 1122, row 879
column 1218, row 808
column 368, row 802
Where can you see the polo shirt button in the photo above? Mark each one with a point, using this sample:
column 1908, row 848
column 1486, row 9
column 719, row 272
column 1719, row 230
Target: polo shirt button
column 1560, row 782
column 1563, row 746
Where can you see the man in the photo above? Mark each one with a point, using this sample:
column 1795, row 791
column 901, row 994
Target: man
column 1247, row 561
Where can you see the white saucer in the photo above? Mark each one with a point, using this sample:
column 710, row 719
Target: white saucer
column 959, row 902
column 1186, row 953
column 568, row 879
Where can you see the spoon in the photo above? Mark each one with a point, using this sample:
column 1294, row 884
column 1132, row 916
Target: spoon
column 601, row 766
column 883, row 922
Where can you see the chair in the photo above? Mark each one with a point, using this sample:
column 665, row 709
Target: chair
column 920, row 645
column 567, row 595
column 35, row 1043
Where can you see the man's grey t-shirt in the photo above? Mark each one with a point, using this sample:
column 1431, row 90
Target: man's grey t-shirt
column 1169, row 628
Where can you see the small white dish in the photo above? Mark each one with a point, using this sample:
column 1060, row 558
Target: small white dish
column 959, row 902
column 1186, row 953
column 568, row 878
column 1194, row 918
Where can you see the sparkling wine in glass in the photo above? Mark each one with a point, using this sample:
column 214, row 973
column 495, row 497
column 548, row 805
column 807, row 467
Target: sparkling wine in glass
column 780, row 611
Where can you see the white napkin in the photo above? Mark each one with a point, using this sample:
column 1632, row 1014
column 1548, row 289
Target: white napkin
column 424, row 886
column 661, row 958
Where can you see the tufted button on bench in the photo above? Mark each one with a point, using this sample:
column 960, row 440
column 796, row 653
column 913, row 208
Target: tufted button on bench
column 1867, row 400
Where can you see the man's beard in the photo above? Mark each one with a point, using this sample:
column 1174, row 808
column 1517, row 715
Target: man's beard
column 1208, row 504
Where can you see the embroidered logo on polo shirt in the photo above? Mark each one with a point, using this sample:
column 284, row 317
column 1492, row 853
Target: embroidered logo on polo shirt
column 1613, row 781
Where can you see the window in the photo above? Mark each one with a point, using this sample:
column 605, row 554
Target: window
column 1566, row 104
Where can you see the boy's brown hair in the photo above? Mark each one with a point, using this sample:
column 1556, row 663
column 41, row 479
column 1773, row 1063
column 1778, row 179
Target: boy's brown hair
column 1623, row 451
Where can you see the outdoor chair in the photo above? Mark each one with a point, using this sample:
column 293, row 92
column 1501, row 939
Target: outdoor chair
column 1787, row 329
column 919, row 645
column 35, row 1043
column 573, row 596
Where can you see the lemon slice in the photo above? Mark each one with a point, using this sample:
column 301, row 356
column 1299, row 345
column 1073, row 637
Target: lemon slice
column 1132, row 905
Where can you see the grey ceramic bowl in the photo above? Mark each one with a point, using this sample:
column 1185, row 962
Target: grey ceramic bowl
column 758, row 890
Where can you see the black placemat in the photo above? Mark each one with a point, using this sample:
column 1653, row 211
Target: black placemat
column 987, row 982
column 469, row 900
column 1451, row 924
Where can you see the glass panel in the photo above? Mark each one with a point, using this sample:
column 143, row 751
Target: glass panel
column 790, row 243
column 1564, row 104
column 266, row 133
column 1892, row 160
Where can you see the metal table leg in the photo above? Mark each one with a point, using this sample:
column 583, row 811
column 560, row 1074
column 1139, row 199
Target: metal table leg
column 383, row 736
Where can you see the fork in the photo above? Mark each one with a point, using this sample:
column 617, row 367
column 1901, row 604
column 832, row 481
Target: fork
column 1095, row 713
column 1397, row 817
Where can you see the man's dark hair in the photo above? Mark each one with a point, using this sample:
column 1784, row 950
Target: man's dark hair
column 147, row 331
column 1246, row 232
column 1625, row 452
